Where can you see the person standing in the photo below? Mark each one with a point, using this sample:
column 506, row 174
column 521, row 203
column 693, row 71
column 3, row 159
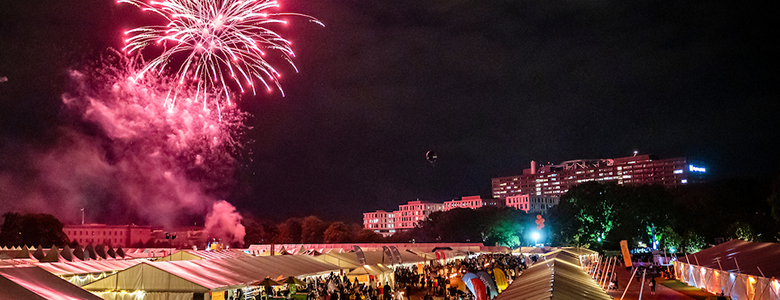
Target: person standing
column 652, row 286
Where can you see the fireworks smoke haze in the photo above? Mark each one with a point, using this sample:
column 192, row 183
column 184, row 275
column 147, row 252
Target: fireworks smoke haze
column 142, row 162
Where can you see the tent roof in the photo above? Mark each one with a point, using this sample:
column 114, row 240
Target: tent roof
column 87, row 267
column 749, row 256
column 203, row 254
column 209, row 274
column 36, row 283
column 555, row 278
column 349, row 259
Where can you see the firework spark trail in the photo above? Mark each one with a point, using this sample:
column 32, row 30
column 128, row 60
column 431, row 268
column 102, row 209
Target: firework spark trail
column 223, row 41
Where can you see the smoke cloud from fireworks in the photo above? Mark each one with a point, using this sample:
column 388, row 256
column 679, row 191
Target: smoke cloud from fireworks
column 138, row 160
column 224, row 223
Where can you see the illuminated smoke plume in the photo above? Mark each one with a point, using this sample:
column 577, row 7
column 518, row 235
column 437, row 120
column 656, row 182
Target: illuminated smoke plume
column 136, row 160
column 224, row 223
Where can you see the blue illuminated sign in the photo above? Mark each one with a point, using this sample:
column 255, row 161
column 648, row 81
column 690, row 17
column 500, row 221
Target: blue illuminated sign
column 693, row 168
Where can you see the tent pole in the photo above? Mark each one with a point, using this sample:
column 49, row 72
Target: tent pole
column 629, row 283
column 612, row 276
column 642, row 287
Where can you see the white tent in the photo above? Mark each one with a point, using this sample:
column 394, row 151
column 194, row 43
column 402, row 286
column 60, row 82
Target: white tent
column 742, row 270
column 84, row 272
column 36, row 283
column 181, row 278
column 557, row 276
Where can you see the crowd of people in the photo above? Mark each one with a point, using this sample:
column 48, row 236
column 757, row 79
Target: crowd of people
column 411, row 282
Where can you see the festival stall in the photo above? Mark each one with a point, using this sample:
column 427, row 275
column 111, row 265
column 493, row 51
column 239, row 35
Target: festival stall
column 739, row 269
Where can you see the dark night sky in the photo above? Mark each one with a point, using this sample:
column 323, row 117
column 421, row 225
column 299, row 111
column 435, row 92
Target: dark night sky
column 488, row 85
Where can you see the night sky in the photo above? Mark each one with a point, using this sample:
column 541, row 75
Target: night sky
column 488, row 85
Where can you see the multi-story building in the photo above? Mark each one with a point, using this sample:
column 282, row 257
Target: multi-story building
column 554, row 180
column 380, row 222
column 407, row 215
column 472, row 202
column 532, row 204
column 109, row 235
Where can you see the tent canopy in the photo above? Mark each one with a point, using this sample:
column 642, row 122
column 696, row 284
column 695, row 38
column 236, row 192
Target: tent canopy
column 199, row 276
column 350, row 261
column 36, row 283
column 558, row 277
column 87, row 267
column 749, row 256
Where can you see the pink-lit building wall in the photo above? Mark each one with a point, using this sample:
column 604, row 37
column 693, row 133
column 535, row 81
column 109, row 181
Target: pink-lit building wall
column 407, row 215
column 109, row 235
column 472, row 202
column 532, row 204
column 380, row 222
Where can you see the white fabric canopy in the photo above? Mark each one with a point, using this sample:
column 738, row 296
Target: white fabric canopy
column 36, row 283
column 557, row 276
column 200, row 276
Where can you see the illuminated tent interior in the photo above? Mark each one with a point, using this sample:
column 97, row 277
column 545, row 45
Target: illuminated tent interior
column 558, row 275
column 37, row 283
column 180, row 279
column 83, row 272
column 742, row 270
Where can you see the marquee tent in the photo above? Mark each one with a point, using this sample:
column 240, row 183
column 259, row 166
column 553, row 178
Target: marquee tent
column 36, row 283
column 557, row 276
column 742, row 270
column 181, row 278
column 84, row 272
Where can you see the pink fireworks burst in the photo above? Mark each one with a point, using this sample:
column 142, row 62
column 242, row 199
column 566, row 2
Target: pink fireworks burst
column 222, row 42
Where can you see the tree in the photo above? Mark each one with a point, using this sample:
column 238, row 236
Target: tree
column 289, row 232
column 11, row 232
column 742, row 231
column 312, row 229
column 36, row 229
column 593, row 209
column 337, row 232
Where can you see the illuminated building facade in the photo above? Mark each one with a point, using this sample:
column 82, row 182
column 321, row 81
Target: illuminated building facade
column 380, row 222
column 532, row 204
column 109, row 235
column 555, row 180
column 407, row 215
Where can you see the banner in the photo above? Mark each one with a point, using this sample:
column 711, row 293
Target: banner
column 626, row 255
column 360, row 256
column 479, row 289
column 490, row 286
column 467, row 279
column 501, row 282
column 218, row 295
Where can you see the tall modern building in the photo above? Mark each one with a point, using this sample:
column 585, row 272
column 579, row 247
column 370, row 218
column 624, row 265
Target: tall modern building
column 554, row 180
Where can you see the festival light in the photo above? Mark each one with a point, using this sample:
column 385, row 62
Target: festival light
column 221, row 42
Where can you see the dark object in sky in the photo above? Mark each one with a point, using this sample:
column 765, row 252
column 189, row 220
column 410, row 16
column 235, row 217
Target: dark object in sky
column 431, row 157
